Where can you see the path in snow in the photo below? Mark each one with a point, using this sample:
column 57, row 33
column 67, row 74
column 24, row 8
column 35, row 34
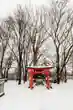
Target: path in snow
column 20, row 97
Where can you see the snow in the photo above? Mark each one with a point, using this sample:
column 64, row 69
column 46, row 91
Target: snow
column 20, row 97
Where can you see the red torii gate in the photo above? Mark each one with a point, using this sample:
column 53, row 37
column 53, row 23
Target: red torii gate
column 39, row 70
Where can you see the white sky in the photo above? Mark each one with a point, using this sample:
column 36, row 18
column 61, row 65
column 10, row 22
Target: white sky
column 7, row 6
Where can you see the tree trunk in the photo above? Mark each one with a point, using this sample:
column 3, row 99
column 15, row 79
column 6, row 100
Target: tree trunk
column 19, row 68
column 19, row 74
column 1, row 63
column 64, row 68
column 58, row 76
column 6, row 75
column 65, row 75
column 25, row 64
column 35, row 58
column 23, row 69
column 57, row 66
column 25, row 76
column 1, row 73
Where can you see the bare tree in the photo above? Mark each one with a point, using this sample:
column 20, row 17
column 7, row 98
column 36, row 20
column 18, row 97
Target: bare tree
column 60, row 25
column 38, row 34
column 67, row 53
column 3, row 43
column 18, row 26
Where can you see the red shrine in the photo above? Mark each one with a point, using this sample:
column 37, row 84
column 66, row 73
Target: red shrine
column 39, row 70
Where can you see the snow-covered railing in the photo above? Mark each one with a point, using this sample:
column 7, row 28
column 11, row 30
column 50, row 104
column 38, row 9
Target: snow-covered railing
column 1, row 87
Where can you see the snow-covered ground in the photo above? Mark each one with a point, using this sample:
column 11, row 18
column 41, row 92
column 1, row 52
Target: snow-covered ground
column 20, row 97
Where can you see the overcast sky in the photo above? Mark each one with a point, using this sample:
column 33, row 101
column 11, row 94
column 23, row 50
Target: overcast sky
column 7, row 6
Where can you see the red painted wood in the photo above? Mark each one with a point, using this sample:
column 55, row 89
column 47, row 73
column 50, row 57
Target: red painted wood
column 32, row 71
